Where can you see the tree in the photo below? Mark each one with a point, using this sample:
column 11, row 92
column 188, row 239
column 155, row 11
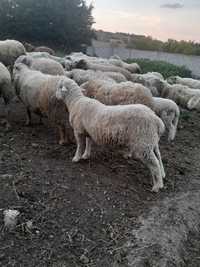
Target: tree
column 65, row 23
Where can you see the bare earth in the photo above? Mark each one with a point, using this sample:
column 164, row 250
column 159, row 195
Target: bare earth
column 99, row 213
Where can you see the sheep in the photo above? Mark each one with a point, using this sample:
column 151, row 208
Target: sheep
column 10, row 50
column 31, row 48
column 6, row 91
column 132, row 67
column 169, row 112
column 37, row 92
column 133, row 126
column 81, row 76
column 192, row 83
column 110, row 93
column 66, row 63
column 85, row 64
column 149, row 80
column 182, row 95
column 45, row 65
column 45, row 49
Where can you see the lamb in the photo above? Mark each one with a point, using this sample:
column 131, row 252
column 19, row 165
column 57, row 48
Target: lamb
column 81, row 76
column 85, row 64
column 133, row 126
column 182, row 95
column 192, row 83
column 45, row 65
column 10, row 50
column 110, row 93
column 6, row 91
column 37, row 92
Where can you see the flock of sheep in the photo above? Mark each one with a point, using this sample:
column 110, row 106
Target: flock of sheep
column 94, row 100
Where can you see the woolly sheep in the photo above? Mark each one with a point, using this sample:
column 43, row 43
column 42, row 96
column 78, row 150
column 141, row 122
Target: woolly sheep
column 37, row 92
column 149, row 80
column 129, row 93
column 45, row 65
column 169, row 112
column 44, row 49
column 192, row 83
column 133, row 126
column 10, row 50
column 6, row 91
column 81, row 76
column 132, row 67
column 182, row 95
column 85, row 64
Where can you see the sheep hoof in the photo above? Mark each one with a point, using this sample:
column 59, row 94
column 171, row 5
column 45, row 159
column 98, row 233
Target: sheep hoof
column 61, row 142
column 156, row 188
column 75, row 159
column 85, row 156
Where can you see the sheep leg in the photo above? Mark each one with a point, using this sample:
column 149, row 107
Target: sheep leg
column 7, row 112
column 87, row 152
column 154, row 166
column 80, row 141
column 62, row 135
column 28, row 118
column 158, row 155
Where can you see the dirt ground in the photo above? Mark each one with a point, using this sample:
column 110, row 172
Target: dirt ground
column 85, row 214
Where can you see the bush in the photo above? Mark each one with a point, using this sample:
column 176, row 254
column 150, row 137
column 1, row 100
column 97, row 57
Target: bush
column 166, row 69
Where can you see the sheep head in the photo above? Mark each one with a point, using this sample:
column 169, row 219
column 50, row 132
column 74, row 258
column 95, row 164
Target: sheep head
column 172, row 79
column 67, row 88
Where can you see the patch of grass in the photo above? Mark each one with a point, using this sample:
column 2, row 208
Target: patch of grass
column 166, row 69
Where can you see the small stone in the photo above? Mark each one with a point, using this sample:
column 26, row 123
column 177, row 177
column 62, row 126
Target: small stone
column 34, row 145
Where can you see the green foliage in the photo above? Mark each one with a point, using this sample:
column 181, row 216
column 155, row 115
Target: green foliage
column 56, row 22
column 171, row 46
column 166, row 69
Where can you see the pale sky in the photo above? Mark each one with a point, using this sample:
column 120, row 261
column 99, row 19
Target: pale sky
column 161, row 19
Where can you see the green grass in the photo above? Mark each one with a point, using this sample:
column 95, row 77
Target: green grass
column 166, row 69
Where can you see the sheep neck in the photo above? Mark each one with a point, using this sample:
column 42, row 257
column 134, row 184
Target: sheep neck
column 72, row 98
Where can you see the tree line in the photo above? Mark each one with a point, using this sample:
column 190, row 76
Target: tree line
column 63, row 23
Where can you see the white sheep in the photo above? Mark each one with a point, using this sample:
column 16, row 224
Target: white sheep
column 110, row 93
column 182, row 95
column 37, row 92
column 81, row 76
column 133, row 126
column 45, row 65
column 6, row 91
column 86, row 64
column 10, row 50
column 169, row 112
column 151, row 80
column 192, row 83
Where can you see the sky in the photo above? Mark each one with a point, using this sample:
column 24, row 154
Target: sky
column 161, row 19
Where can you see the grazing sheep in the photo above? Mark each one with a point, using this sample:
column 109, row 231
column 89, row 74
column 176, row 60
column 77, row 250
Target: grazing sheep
column 10, row 50
column 192, row 83
column 45, row 65
column 182, row 95
column 132, row 67
column 85, row 64
column 135, row 127
column 169, row 112
column 110, row 93
column 149, row 80
column 37, row 92
column 6, row 91
column 81, row 76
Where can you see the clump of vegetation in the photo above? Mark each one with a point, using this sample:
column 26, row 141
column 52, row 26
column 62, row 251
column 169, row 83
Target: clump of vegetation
column 166, row 69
